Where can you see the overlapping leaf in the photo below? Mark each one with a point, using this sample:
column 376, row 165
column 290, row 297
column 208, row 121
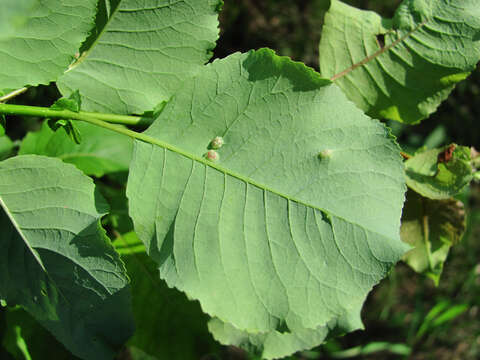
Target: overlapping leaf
column 289, row 230
column 40, row 50
column 432, row 227
column 403, row 68
column 100, row 152
column 158, row 310
column 56, row 260
column 143, row 53
column 439, row 173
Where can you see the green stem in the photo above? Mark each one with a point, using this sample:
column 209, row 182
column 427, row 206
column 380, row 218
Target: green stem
column 66, row 114
column 93, row 118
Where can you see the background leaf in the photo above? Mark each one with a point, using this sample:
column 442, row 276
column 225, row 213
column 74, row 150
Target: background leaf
column 143, row 53
column 14, row 16
column 168, row 325
column 25, row 339
column 57, row 261
column 41, row 50
column 6, row 147
column 101, row 151
column 271, row 229
column 403, row 68
column 439, row 173
column 432, row 227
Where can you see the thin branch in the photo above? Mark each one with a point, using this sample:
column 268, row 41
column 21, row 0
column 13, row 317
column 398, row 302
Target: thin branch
column 377, row 53
column 13, row 94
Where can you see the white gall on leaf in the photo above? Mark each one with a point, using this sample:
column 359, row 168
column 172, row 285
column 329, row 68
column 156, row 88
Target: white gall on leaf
column 217, row 142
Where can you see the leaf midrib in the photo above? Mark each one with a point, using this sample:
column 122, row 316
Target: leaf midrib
column 154, row 141
column 378, row 52
column 19, row 231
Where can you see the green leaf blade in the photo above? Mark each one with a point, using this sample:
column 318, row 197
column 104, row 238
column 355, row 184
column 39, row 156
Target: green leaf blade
column 101, row 151
column 270, row 227
column 432, row 227
column 143, row 54
column 59, row 264
column 428, row 47
column 439, row 173
column 41, row 50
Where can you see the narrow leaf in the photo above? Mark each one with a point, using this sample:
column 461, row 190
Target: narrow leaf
column 57, row 261
column 432, row 227
column 401, row 68
column 297, row 215
column 143, row 53
column 439, row 173
column 41, row 50
column 101, row 151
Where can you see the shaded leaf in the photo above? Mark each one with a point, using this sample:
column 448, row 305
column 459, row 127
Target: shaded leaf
column 101, row 151
column 143, row 53
column 439, row 173
column 6, row 147
column 57, row 261
column 168, row 325
column 401, row 68
column 41, row 50
column 3, row 124
column 271, row 229
column 432, row 227
column 25, row 339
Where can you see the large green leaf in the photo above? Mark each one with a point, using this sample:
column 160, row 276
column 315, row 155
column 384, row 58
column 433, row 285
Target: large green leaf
column 296, row 221
column 168, row 325
column 431, row 227
column 403, row 68
column 100, row 152
column 56, row 260
column 41, row 50
column 14, row 16
column 439, row 173
column 143, row 53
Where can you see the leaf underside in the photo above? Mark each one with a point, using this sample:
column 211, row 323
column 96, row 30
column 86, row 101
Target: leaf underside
column 40, row 50
column 272, row 238
column 56, row 260
column 143, row 53
column 403, row 68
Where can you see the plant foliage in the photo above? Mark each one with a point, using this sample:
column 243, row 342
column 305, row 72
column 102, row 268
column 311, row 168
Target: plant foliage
column 259, row 189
